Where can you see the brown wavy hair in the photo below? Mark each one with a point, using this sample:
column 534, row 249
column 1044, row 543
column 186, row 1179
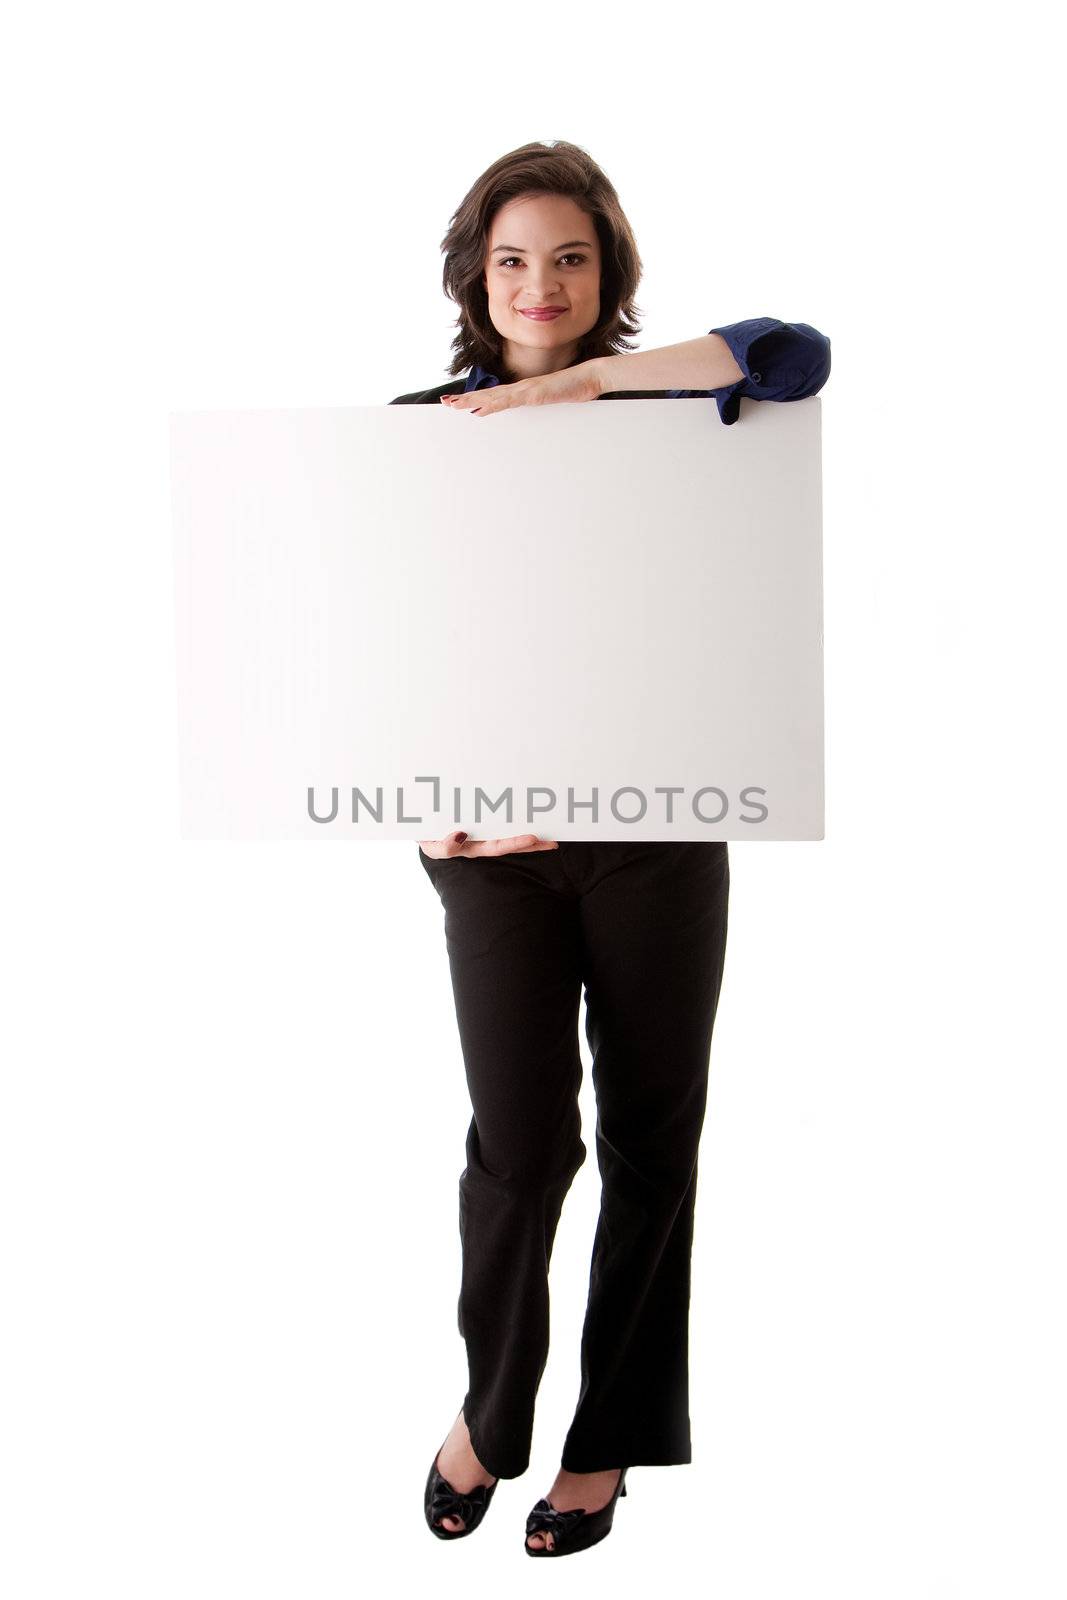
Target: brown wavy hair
column 552, row 167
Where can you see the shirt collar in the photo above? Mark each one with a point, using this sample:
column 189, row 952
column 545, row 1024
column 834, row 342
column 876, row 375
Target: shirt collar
column 479, row 378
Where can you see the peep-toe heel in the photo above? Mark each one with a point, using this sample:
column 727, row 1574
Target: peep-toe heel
column 571, row 1530
column 442, row 1500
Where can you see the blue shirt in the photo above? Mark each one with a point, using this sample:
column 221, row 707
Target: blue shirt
column 780, row 361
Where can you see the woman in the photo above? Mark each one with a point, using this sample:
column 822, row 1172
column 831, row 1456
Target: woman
column 544, row 268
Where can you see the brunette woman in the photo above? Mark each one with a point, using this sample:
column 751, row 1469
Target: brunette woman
column 542, row 263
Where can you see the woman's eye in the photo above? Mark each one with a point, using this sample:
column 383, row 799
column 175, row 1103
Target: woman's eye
column 571, row 256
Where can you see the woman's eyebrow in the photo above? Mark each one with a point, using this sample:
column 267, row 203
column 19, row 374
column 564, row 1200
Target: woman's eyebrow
column 514, row 249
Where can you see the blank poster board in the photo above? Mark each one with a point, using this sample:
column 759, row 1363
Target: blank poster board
column 585, row 621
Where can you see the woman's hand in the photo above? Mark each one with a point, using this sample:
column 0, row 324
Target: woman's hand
column 583, row 382
column 455, row 844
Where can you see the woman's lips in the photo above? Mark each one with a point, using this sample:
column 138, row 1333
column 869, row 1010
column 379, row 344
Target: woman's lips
column 544, row 316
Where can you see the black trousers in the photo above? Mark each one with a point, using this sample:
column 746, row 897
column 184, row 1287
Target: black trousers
column 643, row 927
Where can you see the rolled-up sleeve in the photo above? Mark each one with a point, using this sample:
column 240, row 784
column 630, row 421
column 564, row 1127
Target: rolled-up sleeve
column 780, row 361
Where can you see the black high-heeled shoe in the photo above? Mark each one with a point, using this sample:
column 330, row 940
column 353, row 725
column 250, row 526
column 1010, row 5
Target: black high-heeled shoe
column 571, row 1530
column 441, row 1500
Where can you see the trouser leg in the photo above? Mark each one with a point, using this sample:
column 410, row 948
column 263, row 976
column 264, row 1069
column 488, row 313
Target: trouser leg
column 654, row 930
column 511, row 928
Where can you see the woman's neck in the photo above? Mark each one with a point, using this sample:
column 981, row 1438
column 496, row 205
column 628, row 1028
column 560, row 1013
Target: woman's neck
column 519, row 361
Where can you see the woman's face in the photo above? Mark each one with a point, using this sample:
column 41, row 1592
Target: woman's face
column 542, row 250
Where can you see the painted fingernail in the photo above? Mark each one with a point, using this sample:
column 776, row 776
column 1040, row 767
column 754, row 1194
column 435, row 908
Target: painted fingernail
column 461, row 838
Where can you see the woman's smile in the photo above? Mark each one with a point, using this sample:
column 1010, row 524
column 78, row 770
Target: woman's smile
column 542, row 313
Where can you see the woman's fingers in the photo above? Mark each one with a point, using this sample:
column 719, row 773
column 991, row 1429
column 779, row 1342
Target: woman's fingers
column 582, row 382
column 448, row 846
column 454, row 844
column 522, row 843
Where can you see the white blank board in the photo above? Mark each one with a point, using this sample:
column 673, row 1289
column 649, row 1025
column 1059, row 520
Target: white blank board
column 586, row 621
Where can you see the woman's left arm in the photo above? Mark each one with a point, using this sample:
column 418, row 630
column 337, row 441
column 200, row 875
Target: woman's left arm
column 761, row 359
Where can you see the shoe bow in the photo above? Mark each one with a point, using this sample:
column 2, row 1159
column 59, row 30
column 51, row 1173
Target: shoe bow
column 448, row 1502
column 544, row 1518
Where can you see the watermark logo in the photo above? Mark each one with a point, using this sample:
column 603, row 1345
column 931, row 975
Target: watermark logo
column 665, row 805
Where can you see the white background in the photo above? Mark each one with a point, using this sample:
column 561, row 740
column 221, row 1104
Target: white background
column 233, row 1102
